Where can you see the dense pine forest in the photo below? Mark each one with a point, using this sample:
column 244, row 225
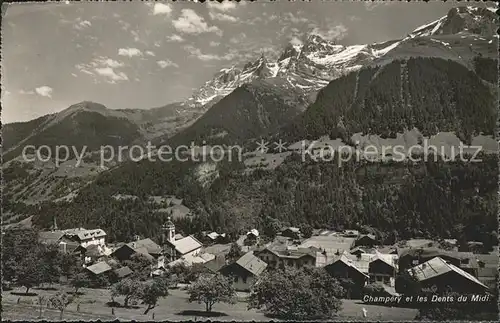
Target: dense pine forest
column 431, row 94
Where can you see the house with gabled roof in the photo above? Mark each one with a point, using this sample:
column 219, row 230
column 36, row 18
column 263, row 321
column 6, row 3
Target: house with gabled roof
column 286, row 256
column 367, row 240
column 123, row 272
column 383, row 268
column 87, row 237
column 244, row 271
column 291, row 232
column 343, row 267
column 145, row 247
column 438, row 275
column 99, row 268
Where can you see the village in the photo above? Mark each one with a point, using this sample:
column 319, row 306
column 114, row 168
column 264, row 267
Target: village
column 358, row 261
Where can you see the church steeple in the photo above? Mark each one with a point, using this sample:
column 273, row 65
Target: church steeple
column 169, row 230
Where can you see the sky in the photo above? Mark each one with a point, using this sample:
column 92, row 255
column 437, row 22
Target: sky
column 141, row 55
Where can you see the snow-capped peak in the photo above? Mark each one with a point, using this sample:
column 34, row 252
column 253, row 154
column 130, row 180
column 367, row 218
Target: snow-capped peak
column 476, row 20
column 311, row 63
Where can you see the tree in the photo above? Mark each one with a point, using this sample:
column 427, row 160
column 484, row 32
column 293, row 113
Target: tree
column 140, row 265
column 152, row 291
column 50, row 261
column 271, row 227
column 293, row 294
column 80, row 279
column 306, row 231
column 60, row 301
column 235, row 252
column 17, row 244
column 180, row 271
column 407, row 284
column 211, row 289
column 41, row 301
column 128, row 287
column 28, row 273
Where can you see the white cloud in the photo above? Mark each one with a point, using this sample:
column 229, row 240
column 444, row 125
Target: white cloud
column 44, row 91
column 224, row 6
column 82, row 24
column 103, row 66
column 175, row 38
column 332, row 33
column 222, row 17
column 214, row 44
column 111, row 74
column 84, row 69
column 189, row 22
column 150, row 53
column 238, row 39
column 107, row 62
column 130, row 52
column 295, row 41
column 208, row 57
column 30, row 92
column 162, row 9
column 294, row 19
column 166, row 63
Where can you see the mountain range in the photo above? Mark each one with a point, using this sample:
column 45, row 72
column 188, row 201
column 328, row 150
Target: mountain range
column 439, row 78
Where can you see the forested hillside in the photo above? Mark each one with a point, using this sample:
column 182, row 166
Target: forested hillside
column 430, row 94
column 426, row 199
column 90, row 129
column 250, row 111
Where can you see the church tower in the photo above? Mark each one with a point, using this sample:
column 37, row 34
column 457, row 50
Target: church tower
column 169, row 230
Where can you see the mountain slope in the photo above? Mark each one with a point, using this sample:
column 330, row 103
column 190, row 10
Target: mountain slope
column 431, row 94
column 250, row 111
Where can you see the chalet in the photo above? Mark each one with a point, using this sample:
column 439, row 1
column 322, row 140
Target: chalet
column 91, row 253
column 252, row 237
column 244, row 271
column 123, row 272
column 279, row 257
column 475, row 246
column 51, row 237
column 440, row 276
column 412, row 257
column 291, row 232
column 350, row 233
column 214, row 237
column 58, row 237
column 487, row 270
column 99, row 268
column 215, row 264
column 344, row 267
column 367, row 240
column 145, row 247
column 190, row 259
column 253, row 234
column 383, row 268
column 87, row 237
column 419, row 243
column 331, row 245
column 357, row 251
